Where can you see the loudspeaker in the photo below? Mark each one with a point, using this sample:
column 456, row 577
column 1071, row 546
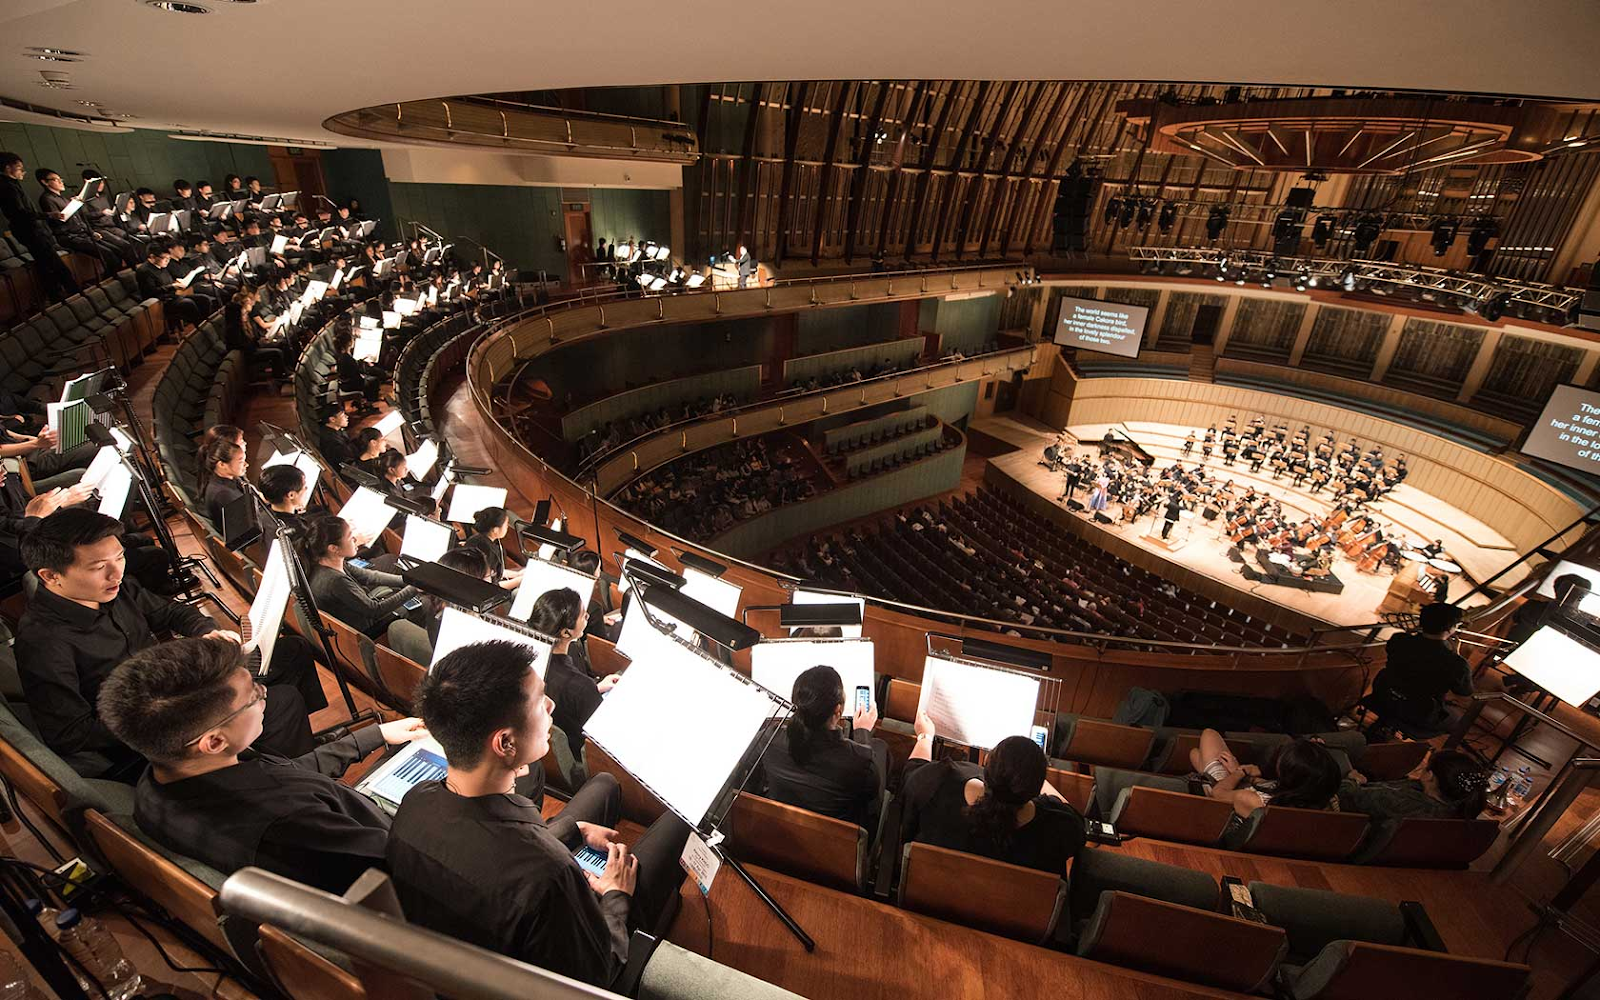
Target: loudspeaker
column 1102, row 519
column 1074, row 505
column 1589, row 308
column 1071, row 219
column 1300, row 197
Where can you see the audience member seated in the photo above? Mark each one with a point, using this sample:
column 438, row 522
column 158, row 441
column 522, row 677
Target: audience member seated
column 561, row 615
column 1448, row 784
column 222, row 478
column 472, row 859
column 193, row 709
column 1006, row 810
column 810, row 763
column 489, row 526
column 1302, row 774
column 86, row 617
column 365, row 599
column 1419, row 670
column 286, row 491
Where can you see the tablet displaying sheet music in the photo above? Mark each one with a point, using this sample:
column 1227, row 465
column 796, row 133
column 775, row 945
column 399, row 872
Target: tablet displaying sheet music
column 425, row 540
column 271, row 601
column 413, row 764
column 641, row 725
column 541, row 575
column 775, row 664
column 821, row 597
column 468, row 500
column 975, row 704
column 457, row 628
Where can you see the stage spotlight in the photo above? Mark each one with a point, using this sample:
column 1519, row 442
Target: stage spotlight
column 1322, row 231
column 1147, row 212
column 1113, row 210
column 1347, row 280
column 1222, row 271
column 1129, row 207
column 1216, row 222
column 1444, row 234
column 1495, row 306
column 1368, row 229
column 1272, row 270
column 1167, row 216
column 1482, row 232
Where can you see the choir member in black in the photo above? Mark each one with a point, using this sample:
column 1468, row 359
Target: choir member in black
column 253, row 192
column 183, row 199
column 471, row 858
column 75, row 233
column 489, row 526
column 20, row 514
column 332, row 440
column 394, row 479
column 1188, row 444
column 812, row 764
column 194, row 709
column 1006, row 810
column 86, row 617
column 561, row 615
column 354, row 375
column 367, row 600
column 156, row 283
column 603, row 613
column 222, row 478
column 233, row 189
column 369, row 448
column 144, row 205
column 224, row 275
column 98, row 212
column 203, row 197
column 287, row 493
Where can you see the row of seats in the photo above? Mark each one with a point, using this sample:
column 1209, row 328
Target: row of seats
column 897, row 451
column 108, row 323
column 864, row 432
column 20, row 293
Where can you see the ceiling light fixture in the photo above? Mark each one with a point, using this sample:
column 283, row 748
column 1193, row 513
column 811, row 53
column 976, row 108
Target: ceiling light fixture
column 177, row 7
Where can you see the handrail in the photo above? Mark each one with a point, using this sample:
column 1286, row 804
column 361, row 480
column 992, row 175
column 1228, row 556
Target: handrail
column 1481, row 699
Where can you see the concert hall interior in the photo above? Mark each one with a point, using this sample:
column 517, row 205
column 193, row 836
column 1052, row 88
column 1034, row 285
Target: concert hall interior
column 833, row 500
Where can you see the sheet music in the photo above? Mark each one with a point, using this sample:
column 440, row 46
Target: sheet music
column 389, row 423
column 439, row 488
column 405, row 307
column 716, row 594
column 366, row 513
column 70, row 209
column 68, row 420
column 425, row 540
column 458, row 629
column 271, row 600
column 104, row 461
column 816, row 597
column 279, row 245
column 1559, row 664
column 184, row 281
column 124, row 442
column 641, row 725
column 338, row 279
column 976, row 705
column 539, row 576
column 80, row 387
column 114, row 490
column 391, row 320
column 633, row 553
column 775, row 664
column 369, row 323
column 308, row 466
column 368, row 344
column 420, row 462
column 314, row 290
column 468, row 500
column 547, row 550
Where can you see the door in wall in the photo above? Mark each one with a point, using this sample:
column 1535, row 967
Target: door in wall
column 580, row 244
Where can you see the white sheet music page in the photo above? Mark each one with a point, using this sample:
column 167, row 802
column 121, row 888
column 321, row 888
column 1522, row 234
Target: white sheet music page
column 776, row 663
column 637, row 634
column 105, row 460
column 1559, row 664
column 420, row 462
column 539, row 576
column 114, row 490
column 425, row 540
column 641, row 725
column 308, row 466
column 366, row 513
column 390, row 422
column 271, row 601
column 458, row 629
column 976, row 705
column 467, row 500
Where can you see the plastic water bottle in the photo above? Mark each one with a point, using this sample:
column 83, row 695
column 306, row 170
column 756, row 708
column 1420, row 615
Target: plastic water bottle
column 46, row 915
column 1524, row 790
column 14, row 981
column 87, row 940
column 1498, row 778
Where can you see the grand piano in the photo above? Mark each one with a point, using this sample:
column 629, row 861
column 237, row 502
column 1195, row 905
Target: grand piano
column 1117, row 443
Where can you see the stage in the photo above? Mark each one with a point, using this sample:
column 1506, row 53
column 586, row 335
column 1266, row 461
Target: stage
column 1198, row 553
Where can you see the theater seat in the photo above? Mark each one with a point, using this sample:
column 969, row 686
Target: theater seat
column 1142, row 811
column 1091, row 741
column 1181, row 942
column 979, row 892
column 799, row 842
column 1391, row 761
column 300, row 972
column 1077, row 789
column 186, row 891
column 1098, row 870
column 638, row 803
column 1317, row 834
column 1415, row 842
column 674, row 973
column 1357, row 970
column 1314, row 918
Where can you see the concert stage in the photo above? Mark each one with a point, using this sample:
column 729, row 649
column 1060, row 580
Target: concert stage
column 1197, row 555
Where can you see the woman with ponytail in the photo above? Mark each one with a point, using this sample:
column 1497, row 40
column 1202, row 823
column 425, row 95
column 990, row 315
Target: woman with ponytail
column 364, row 599
column 1005, row 810
column 1448, row 784
column 222, row 479
column 811, row 764
column 562, row 615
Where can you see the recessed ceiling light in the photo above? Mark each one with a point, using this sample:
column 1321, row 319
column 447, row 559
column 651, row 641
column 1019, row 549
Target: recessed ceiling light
column 53, row 58
column 177, row 7
column 88, row 104
column 45, row 50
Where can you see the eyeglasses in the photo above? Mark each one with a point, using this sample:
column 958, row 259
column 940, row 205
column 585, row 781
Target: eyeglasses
column 259, row 695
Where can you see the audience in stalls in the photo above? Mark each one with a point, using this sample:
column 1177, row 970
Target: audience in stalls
column 561, row 615
column 365, row 599
column 85, row 617
column 1447, row 784
column 705, row 494
column 194, row 709
column 1302, row 774
column 1006, row 810
column 812, row 764
column 471, row 858
column 489, row 527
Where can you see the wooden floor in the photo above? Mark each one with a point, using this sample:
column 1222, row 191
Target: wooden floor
column 1198, row 545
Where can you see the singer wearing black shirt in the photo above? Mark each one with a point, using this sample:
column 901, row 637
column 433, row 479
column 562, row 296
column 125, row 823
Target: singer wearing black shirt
column 333, row 442
column 86, row 617
column 810, row 762
column 1006, row 810
column 32, row 232
column 489, row 526
column 561, row 615
column 472, row 859
column 74, row 233
column 156, row 283
column 222, row 472
column 193, row 708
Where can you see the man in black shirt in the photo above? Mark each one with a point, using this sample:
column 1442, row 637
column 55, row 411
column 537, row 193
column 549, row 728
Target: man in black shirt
column 155, row 282
column 193, row 708
column 20, row 514
column 334, row 443
column 74, row 232
column 472, row 859
column 32, row 231
column 1420, row 670
column 86, row 617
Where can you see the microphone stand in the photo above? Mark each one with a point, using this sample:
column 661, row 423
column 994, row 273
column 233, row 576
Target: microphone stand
column 300, row 586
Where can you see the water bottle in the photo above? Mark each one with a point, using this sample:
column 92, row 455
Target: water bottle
column 1498, row 778
column 14, row 981
column 86, row 940
column 1524, row 790
column 46, row 915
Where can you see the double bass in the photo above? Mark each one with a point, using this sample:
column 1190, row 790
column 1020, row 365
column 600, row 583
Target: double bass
column 1373, row 556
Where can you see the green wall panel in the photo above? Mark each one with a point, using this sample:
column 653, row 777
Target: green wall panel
column 952, row 404
column 621, row 213
column 358, row 173
column 518, row 223
column 821, row 330
column 141, row 158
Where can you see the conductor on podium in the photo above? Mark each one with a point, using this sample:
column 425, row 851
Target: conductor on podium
column 1174, row 511
column 746, row 263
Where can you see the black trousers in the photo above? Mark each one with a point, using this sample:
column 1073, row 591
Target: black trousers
column 1166, row 528
column 110, row 260
column 294, row 664
column 54, row 274
column 599, row 801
